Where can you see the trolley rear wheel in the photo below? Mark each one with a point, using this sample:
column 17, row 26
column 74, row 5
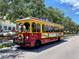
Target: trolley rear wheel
column 59, row 39
column 37, row 43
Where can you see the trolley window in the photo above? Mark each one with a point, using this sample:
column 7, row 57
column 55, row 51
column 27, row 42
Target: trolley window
column 33, row 27
column 26, row 27
column 43, row 28
column 38, row 27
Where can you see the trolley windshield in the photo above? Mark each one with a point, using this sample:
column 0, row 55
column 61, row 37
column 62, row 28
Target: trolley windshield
column 23, row 27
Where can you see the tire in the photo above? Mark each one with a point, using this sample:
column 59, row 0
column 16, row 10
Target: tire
column 37, row 44
column 58, row 39
column 14, row 41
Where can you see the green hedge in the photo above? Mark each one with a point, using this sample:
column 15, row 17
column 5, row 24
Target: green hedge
column 6, row 45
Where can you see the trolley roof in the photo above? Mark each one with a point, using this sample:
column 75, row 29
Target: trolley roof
column 42, row 21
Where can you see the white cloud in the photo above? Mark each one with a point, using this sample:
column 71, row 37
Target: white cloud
column 77, row 13
column 73, row 3
column 73, row 9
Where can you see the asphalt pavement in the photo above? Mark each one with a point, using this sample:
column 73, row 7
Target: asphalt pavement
column 65, row 49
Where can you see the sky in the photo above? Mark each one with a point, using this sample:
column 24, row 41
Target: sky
column 69, row 7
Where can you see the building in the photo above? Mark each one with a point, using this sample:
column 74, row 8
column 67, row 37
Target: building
column 6, row 25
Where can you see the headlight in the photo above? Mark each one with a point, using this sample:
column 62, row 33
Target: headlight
column 27, row 37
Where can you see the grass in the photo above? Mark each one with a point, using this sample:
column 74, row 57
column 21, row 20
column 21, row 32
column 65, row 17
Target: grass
column 6, row 45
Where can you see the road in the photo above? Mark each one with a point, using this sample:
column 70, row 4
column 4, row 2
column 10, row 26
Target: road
column 65, row 49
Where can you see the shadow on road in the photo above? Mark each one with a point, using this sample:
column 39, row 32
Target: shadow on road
column 12, row 54
column 43, row 47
